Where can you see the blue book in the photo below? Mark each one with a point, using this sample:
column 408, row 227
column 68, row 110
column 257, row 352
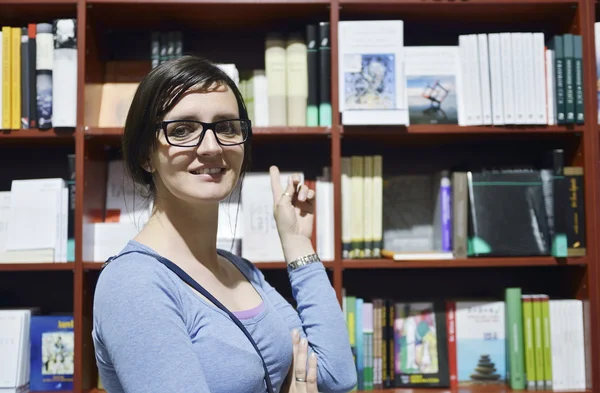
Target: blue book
column 52, row 353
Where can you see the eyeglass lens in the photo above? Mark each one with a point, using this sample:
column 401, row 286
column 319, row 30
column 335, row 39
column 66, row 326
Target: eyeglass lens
column 188, row 133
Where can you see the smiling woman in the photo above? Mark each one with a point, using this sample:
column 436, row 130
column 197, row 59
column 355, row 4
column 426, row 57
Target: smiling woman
column 172, row 313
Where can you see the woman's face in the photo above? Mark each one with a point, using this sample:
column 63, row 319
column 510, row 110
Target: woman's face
column 202, row 174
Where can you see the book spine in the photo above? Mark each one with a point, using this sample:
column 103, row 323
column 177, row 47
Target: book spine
column 559, row 202
column 559, row 71
column 312, row 59
column 296, row 80
column 155, row 49
column 538, row 342
column 6, row 73
column 514, row 332
column 568, row 77
column 446, row 209
column 357, row 179
column 325, row 112
column 44, row 67
column 578, row 79
column 64, row 99
column 367, row 205
column 31, row 74
column 377, row 205
column 528, row 341
column 15, row 105
column 24, row 78
column 576, row 241
column 460, row 205
column 547, row 348
column 451, row 326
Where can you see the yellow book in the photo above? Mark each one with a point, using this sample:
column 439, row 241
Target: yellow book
column 6, row 74
column 15, row 105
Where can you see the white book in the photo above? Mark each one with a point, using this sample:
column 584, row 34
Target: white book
column 64, row 76
column 539, row 77
column 261, row 99
column 472, row 53
column 484, row 79
column 261, row 241
column 508, row 89
column 371, row 77
column 14, row 348
column 495, row 60
column 550, row 103
column 518, row 80
column 35, row 215
column 324, row 211
column 125, row 201
column 529, row 78
column 466, row 84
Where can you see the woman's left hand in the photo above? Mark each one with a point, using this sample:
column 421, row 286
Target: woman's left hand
column 293, row 207
column 302, row 378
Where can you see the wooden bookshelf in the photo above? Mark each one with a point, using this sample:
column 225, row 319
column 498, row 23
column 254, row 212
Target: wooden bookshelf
column 108, row 34
column 42, row 266
column 382, row 263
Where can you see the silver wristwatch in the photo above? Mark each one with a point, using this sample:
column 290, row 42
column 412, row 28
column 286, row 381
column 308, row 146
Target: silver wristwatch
column 303, row 261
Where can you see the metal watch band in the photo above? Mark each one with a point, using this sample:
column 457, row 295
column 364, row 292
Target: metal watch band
column 303, row 261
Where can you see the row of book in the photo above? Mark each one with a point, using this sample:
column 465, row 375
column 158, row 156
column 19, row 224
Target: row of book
column 524, row 341
column 456, row 213
column 36, row 351
column 486, row 79
column 462, row 212
column 36, row 58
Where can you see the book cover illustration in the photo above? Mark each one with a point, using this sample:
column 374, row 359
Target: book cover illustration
column 370, row 81
column 480, row 343
column 419, row 338
column 52, row 346
column 431, row 99
column 431, row 84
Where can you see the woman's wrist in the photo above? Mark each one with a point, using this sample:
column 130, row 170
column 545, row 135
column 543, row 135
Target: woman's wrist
column 296, row 247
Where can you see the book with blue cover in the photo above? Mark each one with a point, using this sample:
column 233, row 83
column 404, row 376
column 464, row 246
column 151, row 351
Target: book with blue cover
column 52, row 352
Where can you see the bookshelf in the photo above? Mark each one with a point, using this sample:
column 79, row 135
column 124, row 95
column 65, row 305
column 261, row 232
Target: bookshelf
column 108, row 36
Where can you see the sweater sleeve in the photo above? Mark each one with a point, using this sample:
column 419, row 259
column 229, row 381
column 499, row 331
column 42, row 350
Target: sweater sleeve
column 137, row 321
column 319, row 318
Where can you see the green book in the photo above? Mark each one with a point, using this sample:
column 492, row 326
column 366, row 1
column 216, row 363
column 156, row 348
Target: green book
column 546, row 340
column 528, row 340
column 538, row 341
column 514, row 335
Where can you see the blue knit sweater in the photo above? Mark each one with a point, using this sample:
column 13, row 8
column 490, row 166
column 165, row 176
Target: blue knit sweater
column 153, row 334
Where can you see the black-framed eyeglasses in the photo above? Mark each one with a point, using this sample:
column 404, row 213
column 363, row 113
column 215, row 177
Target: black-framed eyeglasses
column 190, row 133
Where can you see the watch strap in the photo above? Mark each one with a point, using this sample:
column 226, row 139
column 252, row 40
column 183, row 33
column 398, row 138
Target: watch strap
column 303, row 261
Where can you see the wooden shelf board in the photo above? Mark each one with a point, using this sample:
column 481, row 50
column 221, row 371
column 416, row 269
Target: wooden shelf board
column 34, row 133
column 455, row 129
column 37, row 2
column 454, row 3
column 458, row 263
column 465, row 389
column 18, row 267
column 260, row 265
column 256, row 131
column 208, row 1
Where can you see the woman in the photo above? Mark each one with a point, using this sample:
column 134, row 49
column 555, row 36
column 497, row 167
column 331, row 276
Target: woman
column 187, row 139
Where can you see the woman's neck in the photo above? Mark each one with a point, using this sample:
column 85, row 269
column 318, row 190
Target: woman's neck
column 183, row 233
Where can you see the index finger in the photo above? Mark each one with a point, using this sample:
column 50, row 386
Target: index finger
column 275, row 183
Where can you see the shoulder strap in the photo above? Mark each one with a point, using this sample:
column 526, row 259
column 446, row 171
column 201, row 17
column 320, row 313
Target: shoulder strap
column 194, row 284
